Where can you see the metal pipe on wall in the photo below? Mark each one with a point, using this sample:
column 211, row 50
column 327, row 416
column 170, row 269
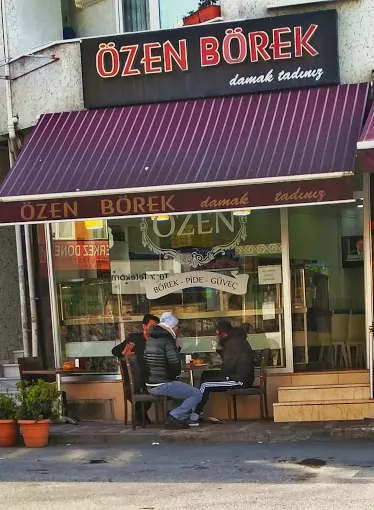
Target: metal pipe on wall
column 22, row 291
column 53, row 299
column 32, row 294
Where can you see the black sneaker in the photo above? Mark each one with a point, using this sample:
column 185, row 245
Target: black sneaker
column 173, row 423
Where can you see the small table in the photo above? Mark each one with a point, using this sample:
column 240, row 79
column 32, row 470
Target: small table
column 191, row 368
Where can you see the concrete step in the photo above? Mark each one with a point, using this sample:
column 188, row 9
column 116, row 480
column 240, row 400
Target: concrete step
column 336, row 392
column 330, row 378
column 3, row 362
column 8, row 384
column 18, row 354
column 11, row 370
column 323, row 411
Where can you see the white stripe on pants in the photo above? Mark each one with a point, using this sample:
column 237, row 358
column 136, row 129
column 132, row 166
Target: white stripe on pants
column 219, row 384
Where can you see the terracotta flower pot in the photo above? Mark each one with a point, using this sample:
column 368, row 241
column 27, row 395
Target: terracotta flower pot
column 8, row 433
column 192, row 19
column 210, row 12
column 35, row 433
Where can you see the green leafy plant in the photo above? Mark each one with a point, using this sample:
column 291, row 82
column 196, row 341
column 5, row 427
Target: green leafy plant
column 39, row 401
column 202, row 4
column 206, row 3
column 8, row 407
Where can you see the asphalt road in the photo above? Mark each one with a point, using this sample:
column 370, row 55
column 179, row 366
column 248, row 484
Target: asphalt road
column 177, row 477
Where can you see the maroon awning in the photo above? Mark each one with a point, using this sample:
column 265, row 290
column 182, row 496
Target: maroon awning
column 208, row 142
column 367, row 137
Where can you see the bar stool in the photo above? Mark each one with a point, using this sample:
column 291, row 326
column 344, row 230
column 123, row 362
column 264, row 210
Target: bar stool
column 339, row 336
column 356, row 339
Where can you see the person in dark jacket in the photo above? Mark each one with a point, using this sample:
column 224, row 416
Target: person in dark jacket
column 237, row 370
column 135, row 345
column 164, row 366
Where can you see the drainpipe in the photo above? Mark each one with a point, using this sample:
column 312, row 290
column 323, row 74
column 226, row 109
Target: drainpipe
column 13, row 149
column 32, row 294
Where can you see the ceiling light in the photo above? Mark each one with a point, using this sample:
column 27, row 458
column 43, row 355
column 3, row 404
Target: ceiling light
column 162, row 217
column 93, row 224
column 242, row 212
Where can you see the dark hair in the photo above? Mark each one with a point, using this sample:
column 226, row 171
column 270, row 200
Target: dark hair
column 224, row 326
column 248, row 328
column 149, row 317
column 238, row 331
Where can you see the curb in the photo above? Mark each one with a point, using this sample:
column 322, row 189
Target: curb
column 144, row 438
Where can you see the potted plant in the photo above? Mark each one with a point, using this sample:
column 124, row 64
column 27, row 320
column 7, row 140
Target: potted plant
column 8, row 424
column 207, row 10
column 192, row 18
column 39, row 404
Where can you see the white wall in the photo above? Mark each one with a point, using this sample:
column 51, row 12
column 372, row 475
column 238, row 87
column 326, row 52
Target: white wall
column 32, row 23
column 54, row 88
column 97, row 19
column 356, row 33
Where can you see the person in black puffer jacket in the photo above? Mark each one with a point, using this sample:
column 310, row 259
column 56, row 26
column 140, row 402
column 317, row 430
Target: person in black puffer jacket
column 164, row 366
column 237, row 370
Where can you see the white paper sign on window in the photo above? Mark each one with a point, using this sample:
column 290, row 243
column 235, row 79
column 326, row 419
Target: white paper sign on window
column 268, row 311
column 269, row 275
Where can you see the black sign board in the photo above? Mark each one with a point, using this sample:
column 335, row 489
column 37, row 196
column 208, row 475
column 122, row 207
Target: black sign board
column 236, row 57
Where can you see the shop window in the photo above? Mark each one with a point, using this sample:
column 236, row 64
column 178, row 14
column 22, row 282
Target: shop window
column 136, row 15
column 327, row 268
column 69, row 230
column 63, row 231
column 202, row 267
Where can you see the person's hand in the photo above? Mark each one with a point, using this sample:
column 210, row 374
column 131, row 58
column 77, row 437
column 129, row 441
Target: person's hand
column 128, row 350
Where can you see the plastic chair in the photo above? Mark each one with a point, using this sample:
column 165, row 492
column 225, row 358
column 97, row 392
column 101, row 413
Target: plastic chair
column 339, row 335
column 356, row 339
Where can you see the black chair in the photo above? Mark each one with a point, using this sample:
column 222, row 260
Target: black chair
column 260, row 391
column 32, row 363
column 137, row 392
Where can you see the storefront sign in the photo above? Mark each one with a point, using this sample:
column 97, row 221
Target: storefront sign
column 178, row 201
column 80, row 255
column 195, row 258
column 269, row 275
column 237, row 57
column 235, row 284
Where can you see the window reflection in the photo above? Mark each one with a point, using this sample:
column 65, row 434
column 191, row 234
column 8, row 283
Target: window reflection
column 202, row 267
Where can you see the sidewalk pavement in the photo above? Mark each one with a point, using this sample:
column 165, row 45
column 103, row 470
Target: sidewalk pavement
column 100, row 433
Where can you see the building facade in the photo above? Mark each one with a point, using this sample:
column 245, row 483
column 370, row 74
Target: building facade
column 249, row 204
